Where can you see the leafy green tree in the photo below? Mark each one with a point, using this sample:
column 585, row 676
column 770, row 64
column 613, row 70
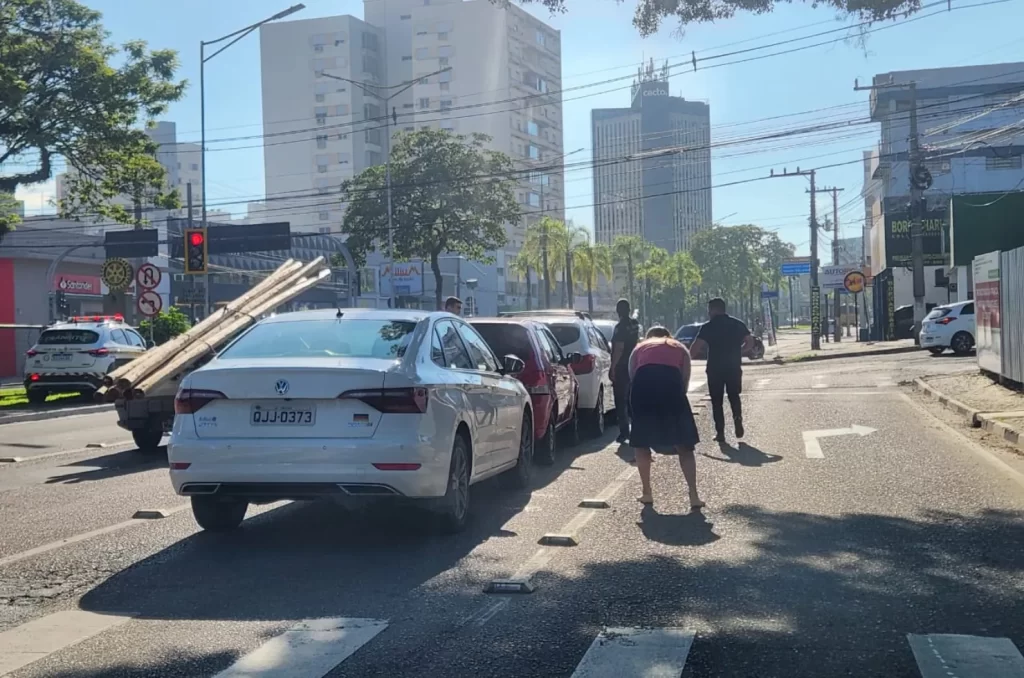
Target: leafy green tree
column 630, row 251
column 523, row 264
column 9, row 217
column 165, row 325
column 61, row 94
column 679, row 274
column 439, row 201
column 650, row 13
column 545, row 241
column 591, row 260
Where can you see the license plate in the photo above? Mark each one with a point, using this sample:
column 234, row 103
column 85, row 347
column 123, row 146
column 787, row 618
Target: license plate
column 283, row 416
column 60, row 357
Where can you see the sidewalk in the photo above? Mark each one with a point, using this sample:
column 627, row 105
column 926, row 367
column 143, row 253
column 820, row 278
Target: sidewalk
column 984, row 403
column 795, row 346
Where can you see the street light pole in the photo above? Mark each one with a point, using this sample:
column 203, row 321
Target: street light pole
column 388, row 116
column 237, row 35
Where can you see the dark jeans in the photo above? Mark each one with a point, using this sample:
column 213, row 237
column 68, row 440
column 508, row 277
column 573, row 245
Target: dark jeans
column 719, row 383
column 622, row 401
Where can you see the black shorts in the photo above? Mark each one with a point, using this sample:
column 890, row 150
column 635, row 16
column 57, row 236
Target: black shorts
column 662, row 418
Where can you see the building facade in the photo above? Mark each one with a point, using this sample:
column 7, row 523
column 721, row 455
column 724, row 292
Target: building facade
column 503, row 80
column 972, row 142
column 652, row 166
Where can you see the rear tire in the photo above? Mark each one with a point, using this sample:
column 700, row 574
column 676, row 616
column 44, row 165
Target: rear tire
column 454, row 506
column 961, row 343
column 147, row 440
column 519, row 478
column 571, row 432
column 547, row 447
column 595, row 417
column 37, row 397
column 218, row 515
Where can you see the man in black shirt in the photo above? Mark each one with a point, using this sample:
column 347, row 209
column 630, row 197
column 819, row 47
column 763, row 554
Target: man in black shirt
column 624, row 340
column 723, row 340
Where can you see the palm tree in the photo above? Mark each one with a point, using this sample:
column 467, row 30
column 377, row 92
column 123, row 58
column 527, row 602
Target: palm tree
column 631, row 250
column 681, row 274
column 589, row 261
column 522, row 264
column 574, row 235
column 543, row 240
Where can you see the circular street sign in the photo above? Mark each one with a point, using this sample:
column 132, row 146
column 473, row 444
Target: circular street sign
column 117, row 274
column 148, row 276
column 854, row 282
column 149, row 303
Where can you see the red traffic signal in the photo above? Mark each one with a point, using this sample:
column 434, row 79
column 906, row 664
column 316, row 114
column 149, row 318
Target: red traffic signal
column 195, row 250
column 196, row 239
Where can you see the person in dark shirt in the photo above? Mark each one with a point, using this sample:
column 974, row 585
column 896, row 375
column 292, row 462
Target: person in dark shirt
column 624, row 340
column 723, row 340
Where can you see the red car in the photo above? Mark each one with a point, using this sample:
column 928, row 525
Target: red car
column 548, row 378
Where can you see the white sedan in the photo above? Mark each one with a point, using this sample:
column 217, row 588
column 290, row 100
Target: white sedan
column 360, row 403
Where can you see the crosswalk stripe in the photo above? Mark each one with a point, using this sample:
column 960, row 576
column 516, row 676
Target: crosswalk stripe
column 761, row 383
column 956, row 656
column 818, row 381
column 41, row 637
column 652, row 653
column 310, row 649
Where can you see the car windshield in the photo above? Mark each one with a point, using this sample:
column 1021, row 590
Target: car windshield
column 938, row 313
column 505, row 338
column 565, row 333
column 343, row 338
column 78, row 337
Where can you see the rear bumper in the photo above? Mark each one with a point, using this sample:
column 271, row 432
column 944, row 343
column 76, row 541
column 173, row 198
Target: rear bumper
column 63, row 381
column 268, row 470
column 934, row 340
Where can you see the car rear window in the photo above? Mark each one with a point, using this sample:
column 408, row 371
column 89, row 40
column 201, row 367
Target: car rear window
column 506, row 339
column 354, row 338
column 55, row 337
column 687, row 332
column 938, row 313
column 565, row 334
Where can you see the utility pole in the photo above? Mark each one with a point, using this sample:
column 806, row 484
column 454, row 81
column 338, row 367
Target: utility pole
column 815, row 290
column 191, row 278
column 836, row 302
column 920, row 181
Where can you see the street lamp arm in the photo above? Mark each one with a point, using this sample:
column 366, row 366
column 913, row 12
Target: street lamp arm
column 249, row 29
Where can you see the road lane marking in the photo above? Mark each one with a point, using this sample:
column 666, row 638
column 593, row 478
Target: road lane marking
column 812, row 448
column 761, row 383
column 652, row 653
column 54, row 545
column 818, row 381
column 109, row 447
column 604, row 497
column 41, row 637
column 310, row 649
column 956, row 656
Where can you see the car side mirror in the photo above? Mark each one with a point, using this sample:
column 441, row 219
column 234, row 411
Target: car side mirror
column 513, row 365
column 572, row 359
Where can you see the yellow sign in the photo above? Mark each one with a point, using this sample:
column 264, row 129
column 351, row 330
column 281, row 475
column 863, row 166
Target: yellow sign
column 854, row 282
column 117, row 274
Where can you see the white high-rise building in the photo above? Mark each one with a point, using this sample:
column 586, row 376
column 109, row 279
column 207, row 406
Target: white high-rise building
column 504, row 81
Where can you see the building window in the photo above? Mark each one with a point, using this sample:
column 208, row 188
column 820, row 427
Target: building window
column 195, row 167
column 319, row 98
column 442, row 36
column 533, row 199
column 445, row 87
column 322, row 169
column 343, row 158
column 373, row 158
column 370, row 42
column 324, row 230
column 1006, row 162
column 373, row 136
column 541, row 38
column 321, row 141
column 444, row 26
column 324, row 216
column 533, row 152
column 407, row 105
column 424, row 102
column 342, row 136
column 445, row 51
column 318, row 48
column 448, row 126
column 446, row 104
column 321, row 119
column 422, row 53
column 370, row 65
column 405, row 17
column 322, row 190
column 339, row 42
column 408, row 129
column 532, row 129
column 446, row 76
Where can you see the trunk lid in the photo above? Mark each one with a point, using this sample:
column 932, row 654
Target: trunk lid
column 64, row 349
column 288, row 397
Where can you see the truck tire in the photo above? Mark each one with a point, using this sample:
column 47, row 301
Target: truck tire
column 147, row 440
column 218, row 515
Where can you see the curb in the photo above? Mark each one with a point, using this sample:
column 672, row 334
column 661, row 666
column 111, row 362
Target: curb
column 53, row 414
column 848, row 354
column 1007, row 433
column 972, row 415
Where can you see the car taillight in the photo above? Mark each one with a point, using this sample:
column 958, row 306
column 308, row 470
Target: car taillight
column 945, row 321
column 33, row 377
column 190, row 401
column 586, row 365
column 98, row 352
column 393, row 400
column 31, row 353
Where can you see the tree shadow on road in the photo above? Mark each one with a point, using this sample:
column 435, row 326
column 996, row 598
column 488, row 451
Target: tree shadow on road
column 744, row 455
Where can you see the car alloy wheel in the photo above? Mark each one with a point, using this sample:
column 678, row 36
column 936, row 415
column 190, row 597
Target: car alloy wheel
column 522, row 474
column 455, row 513
column 961, row 343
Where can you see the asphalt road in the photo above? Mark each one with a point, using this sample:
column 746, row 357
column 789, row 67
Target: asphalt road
column 799, row 566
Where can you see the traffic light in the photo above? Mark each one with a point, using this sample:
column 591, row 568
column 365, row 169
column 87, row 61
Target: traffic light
column 62, row 304
column 195, row 250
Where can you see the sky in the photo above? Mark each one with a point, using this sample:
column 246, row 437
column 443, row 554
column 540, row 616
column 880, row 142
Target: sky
column 600, row 43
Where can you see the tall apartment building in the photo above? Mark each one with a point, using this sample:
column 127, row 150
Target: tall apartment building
column 504, row 81
column 970, row 134
column 665, row 197
column 181, row 162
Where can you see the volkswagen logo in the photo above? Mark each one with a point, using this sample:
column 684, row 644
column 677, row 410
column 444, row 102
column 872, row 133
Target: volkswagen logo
column 281, row 387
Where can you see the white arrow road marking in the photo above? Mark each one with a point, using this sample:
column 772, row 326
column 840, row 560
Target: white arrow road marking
column 813, row 448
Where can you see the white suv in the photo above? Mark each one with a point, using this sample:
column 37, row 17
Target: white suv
column 577, row 333
column 950, row 326
column 74, row 355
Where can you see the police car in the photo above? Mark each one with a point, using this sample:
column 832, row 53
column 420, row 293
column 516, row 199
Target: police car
column 74, row 355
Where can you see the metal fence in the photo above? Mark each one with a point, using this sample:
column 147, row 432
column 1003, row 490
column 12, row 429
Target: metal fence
column 1011, row 322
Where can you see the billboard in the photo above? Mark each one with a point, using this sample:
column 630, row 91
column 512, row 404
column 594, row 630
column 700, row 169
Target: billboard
column 987, row 311
column 934, row 234
column 88, row 285
column 832, row 278
column 408, row 279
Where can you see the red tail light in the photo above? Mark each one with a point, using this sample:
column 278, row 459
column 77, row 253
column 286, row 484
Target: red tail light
column 98, row 352
column 393, row 400
column 585, row 366
column 944, row 321
column 396, row 467
column 190, row 401
column 33, row 377
column 31, row 353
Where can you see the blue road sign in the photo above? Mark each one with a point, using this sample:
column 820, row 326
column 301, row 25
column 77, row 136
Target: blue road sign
column 770, row 294
column 795, row 269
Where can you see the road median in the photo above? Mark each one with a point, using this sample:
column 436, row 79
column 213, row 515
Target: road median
column 862, row 350
column 19, row 416
column 982, row 403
